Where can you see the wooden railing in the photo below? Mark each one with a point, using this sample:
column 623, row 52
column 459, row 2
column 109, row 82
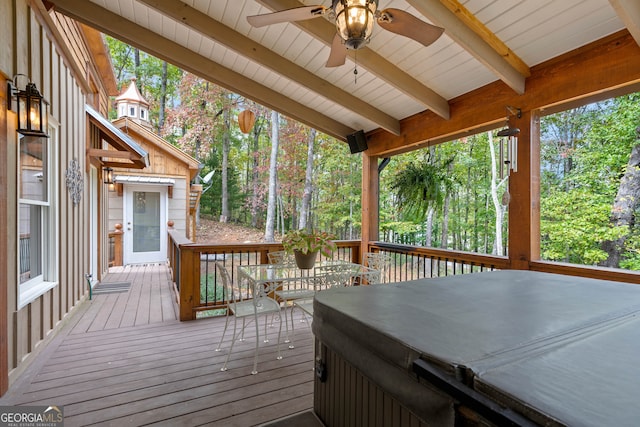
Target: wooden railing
column 193, row 270
column 199, row 292
column 413, row 262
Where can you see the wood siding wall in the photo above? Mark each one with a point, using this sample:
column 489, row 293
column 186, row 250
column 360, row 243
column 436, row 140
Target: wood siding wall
column 50, row 50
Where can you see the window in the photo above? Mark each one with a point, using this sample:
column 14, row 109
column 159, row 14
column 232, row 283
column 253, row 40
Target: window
column 143, row 113
column 132, row 111
column 37, row 259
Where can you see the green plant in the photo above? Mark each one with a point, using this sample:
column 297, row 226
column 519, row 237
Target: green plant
column 309, row 241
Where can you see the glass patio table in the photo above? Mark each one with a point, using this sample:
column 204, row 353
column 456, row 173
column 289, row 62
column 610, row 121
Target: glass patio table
column 287, row 282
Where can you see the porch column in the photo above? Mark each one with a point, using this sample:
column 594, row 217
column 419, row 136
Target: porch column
column 4, row 283
column 524, row 188
column 370, row 192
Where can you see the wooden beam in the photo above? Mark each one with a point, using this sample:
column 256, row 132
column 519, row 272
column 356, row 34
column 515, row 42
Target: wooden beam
column 487, row 35
column 324, row 31
column 125, row 165
column 96, row 152
column 466, row 37
column 629, row 12
column 135, row 35
column 605, row 68
column 254, row 51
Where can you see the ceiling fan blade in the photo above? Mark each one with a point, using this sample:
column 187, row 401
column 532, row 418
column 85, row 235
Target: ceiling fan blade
column 287, row 15
column 338, row 54
column 403, row 23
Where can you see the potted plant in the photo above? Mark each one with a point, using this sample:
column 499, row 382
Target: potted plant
column 305, row 245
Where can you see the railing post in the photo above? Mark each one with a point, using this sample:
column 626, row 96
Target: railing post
column 189, row 282
column 117, row 241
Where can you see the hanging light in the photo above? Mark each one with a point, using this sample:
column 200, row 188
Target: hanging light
column 32, row 109
column 246, row 119
column 107, row 176
column 354, row 21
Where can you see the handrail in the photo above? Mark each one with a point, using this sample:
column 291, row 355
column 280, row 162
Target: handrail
column 195, row 279
column 198, row 291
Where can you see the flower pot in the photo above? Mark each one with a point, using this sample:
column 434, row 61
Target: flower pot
column 305, row 261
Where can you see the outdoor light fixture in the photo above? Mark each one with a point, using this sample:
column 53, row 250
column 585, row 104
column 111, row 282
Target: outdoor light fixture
column 107, row 176
column 354, row 21
column 32, row 109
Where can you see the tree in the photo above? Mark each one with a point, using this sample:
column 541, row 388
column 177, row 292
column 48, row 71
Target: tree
column 271, row 207
column 499, row 203
column 308, row 184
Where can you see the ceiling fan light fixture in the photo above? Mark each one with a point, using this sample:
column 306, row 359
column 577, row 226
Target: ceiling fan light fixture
column 355, row 20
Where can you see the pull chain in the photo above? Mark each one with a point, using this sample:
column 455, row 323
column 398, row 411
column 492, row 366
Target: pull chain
column 355, row 67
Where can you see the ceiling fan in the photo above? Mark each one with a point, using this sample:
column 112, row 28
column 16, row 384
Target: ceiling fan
column 354, row 23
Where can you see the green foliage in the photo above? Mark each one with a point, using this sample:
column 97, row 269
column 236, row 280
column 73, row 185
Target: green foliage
column 584, row 155
column 309, row 241
column 209, row 291
column 573, row 224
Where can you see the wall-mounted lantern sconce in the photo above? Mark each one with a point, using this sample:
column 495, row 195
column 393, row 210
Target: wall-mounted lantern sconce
column 107, row 176
column 31, row 107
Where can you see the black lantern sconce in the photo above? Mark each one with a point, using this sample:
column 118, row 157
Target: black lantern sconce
column 107, row 176
column 31, row 107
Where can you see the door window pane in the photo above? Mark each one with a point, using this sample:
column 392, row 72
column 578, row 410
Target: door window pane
column 146, row 221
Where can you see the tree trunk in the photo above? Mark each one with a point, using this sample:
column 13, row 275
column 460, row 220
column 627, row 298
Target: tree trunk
column 308, row 187
column 136, row 65
column 624, row 206
column 498, row 206
column 429, row 226
column 444, row 241
column 271, row 206
column 163, row 96
column 226, row 147
column 255, row 177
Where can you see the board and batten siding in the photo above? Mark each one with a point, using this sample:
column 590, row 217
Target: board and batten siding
column 50, row 50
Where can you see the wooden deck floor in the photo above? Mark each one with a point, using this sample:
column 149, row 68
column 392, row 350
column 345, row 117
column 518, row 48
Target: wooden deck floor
column 124, row 359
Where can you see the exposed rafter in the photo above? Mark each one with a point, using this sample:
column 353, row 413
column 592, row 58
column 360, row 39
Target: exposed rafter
column 487, row 35
column 629, row 13
column 323, row 30
column 150, row 42
column 468, row 38
column 243, row 45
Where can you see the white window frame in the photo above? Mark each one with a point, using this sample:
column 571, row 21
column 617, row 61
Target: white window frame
column 37, row 286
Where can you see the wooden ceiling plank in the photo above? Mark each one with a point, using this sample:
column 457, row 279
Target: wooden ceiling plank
column 487, row 35
column 629, row 13
column 248, row 48
column 150, row 42
column 466, row 37
column 606, row 68
column 323, row 30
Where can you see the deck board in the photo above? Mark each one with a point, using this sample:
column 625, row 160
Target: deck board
column 125, row 359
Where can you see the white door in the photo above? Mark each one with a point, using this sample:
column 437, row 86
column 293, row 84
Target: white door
column 145, row 234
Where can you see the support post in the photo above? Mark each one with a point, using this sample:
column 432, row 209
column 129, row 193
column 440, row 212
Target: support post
column 524, row 187
column 370, row 201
